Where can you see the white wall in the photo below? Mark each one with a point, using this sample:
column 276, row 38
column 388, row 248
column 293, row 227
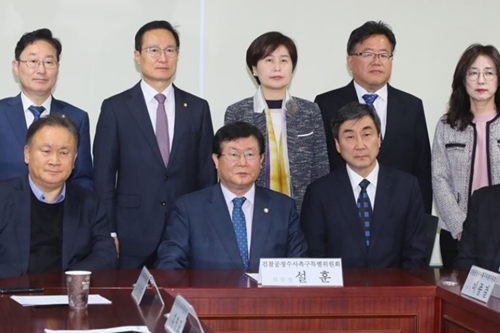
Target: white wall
column 98, row 43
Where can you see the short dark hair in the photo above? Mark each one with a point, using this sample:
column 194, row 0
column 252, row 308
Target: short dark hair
column 370, row 28
column 31, row 37
column 352, row 111
column 234, row 131
column 266, row 44
column 459, row 114
column 153, row 25
column 53, row 120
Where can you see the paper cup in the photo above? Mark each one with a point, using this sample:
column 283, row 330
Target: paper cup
column 78, row 283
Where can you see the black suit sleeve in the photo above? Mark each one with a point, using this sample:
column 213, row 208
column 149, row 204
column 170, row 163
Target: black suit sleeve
column 414, row 243
column 206, row 172
column 422, row 165
column 467, row 253
column 313, row 222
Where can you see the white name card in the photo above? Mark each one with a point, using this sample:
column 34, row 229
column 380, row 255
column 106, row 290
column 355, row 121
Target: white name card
column 480, row 283
column 300, row 272
column 144, row 279
column 182, row 318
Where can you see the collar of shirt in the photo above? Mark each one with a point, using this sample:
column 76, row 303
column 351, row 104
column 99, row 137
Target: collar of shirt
column 149, row 94
column 41, row 197
column 356, row 179
column 360, row 91
column 27, row 103
column 259, row 102
column 247, row 209
column 380, row 103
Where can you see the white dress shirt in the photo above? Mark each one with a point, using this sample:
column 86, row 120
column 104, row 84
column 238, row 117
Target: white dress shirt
column 372, row 187
column 380, row 103
column 247, row 208
column 152, row 104
column 28, row 114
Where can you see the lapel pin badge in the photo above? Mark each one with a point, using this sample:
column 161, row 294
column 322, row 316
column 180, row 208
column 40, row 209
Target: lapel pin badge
column 266, row 210
column 185, row 105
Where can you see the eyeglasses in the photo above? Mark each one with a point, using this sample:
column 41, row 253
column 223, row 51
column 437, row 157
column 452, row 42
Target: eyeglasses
column 234, row 157
column 32, row 63
column 155, row 52
column 474, row 75
column 371, row 55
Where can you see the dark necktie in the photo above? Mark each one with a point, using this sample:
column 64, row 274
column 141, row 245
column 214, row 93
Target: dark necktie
column 37, row 111
column 365, row 209
column 370, row 99
column 162, row 129
column 240, row 230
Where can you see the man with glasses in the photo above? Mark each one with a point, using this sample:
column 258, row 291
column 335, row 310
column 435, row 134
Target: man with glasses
column 36, row 67
column 152, row 145
column 233, row 224
column 405, row 141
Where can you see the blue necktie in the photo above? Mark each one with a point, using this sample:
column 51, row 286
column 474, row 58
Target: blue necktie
column 240, row 230
column 365, row 209
column 370, row 99
column 37, row 111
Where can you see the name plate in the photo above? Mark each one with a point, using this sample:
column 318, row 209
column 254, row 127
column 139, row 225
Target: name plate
column 300, row 272
column 143, row 281
column 182, row 318
column 480, row 283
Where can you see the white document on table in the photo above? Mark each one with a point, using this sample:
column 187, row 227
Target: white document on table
column 139, row 329
column 39, row 300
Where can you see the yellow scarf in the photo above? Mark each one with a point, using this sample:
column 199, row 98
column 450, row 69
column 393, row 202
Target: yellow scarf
column 279, row 179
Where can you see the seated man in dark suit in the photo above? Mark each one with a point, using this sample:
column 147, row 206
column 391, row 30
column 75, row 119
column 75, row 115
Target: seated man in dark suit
column 233, row 224
column 46, row 223
column 370, row 50
column 480, row 240
column 365, row 213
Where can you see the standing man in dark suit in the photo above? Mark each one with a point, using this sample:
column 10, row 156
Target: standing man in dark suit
column 366, row 213
column 36, row 66
column 152, row 145
column 405, row 140
column 233, row 224
column 46, row 223
column 480, row 240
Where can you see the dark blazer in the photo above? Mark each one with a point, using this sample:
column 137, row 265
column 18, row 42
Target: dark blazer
column 87, row 244
column 480, row 242
column 307, row 154
column 13, row 138
column 130, row 175
column 405, row 144
column 200, row 233
column 332, row 227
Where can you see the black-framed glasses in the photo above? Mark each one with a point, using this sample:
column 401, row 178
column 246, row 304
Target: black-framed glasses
column 473, row 75
column 155, row 51
column 372, row 55
column 35, row 63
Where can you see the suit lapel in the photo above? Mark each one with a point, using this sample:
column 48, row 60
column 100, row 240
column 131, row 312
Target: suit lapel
column 394, row 117
column 138, row 110
column 261, row 224
column 383, row 201
column 349, row 208
column 494, row 227
column 292, row 134
column 22, row 207
column 348, row 94
column 182, row 119
column 72, row 208
column 17, row 119
column 222, row 224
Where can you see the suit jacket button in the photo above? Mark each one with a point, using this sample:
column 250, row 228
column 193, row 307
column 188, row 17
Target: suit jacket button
column 165, row 178
column 163, row 203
